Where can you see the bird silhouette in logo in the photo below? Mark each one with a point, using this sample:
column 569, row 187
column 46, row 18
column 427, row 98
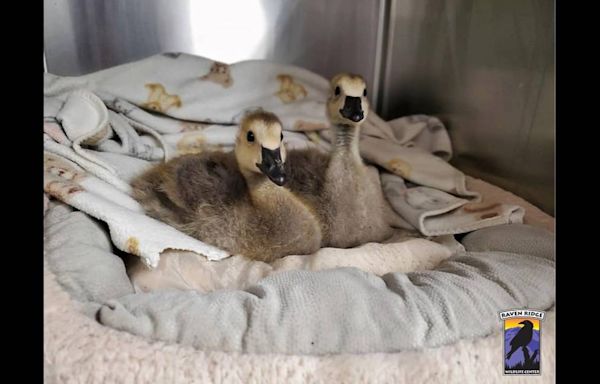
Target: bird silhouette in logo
column 522, row 338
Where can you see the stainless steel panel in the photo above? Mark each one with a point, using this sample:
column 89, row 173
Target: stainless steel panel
column 486, row 67
column 327, row 37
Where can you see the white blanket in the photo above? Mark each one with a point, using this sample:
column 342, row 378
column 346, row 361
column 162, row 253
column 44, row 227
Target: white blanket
column 98, row 135
column 187, row 271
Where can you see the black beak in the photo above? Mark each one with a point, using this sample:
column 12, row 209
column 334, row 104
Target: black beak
column 273, row 166
column 352, row 109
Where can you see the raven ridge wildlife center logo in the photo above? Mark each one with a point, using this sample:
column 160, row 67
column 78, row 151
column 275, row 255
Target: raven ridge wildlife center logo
column 522, row 332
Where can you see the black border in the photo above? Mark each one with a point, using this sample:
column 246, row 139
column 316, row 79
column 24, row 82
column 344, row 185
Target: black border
column 23, row 183
column 576, row 101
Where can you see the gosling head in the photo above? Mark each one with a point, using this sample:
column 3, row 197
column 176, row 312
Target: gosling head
column 259, row 148
column 347, row 103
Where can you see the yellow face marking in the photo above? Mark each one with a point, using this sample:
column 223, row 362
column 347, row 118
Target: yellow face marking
column 346, row 85
column 264, row 130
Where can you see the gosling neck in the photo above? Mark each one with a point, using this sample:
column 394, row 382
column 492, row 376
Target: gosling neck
column 262, row 190
column 346, row 140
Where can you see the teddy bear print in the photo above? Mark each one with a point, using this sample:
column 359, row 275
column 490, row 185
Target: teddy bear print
column 61, row 189
column 399, row 167
column 133, row 246
column 289, row 90
column 61, row 180
column 191, row 126
column 302, row 125
column 195, row 142
column 219, row 73
column 159, row 100
column 55, row 166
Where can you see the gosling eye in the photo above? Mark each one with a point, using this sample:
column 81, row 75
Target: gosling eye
column 282, row 136
column 337, row 91
column 365, row 92
column 250, row 136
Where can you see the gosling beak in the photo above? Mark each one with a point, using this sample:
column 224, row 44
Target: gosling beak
column 273, row 166
column 352, row 109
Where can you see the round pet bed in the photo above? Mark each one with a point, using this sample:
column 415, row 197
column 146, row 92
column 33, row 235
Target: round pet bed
column 428, row 325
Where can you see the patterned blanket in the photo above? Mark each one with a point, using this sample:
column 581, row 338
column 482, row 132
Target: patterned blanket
column 103, row 129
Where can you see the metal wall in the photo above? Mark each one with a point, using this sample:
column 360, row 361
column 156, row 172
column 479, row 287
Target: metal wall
column 485, row 67
column 327, row 37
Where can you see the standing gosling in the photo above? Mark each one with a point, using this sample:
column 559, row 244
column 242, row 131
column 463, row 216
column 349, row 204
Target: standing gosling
column 347, row 197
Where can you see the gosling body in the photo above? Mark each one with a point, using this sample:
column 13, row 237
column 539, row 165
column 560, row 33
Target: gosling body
column 346, row 194
column 233, row 200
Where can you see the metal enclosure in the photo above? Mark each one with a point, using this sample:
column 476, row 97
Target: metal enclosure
column 326, row 37
column 485, row 67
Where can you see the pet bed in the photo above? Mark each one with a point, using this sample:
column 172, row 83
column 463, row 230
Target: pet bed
column 435, row 322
